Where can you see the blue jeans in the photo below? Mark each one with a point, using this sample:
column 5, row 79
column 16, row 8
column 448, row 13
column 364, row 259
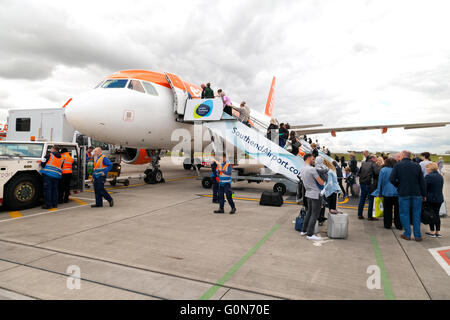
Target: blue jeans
column 50, row 191
column 406, row 205
column 225, row 189
column 282, row 142
column 365, row 193
column 100, row 192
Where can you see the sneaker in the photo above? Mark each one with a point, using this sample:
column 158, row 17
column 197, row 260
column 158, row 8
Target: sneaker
column 313, row 237
column 431, row 235
column 219, row 211
column 438, row 235
column 303, row 233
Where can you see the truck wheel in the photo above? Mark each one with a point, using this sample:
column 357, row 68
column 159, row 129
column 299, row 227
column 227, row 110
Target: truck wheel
column 113, row 182
column 280, row 188
column 207, row 183
column 187, row 166
column 126, row 183
column 23, row 192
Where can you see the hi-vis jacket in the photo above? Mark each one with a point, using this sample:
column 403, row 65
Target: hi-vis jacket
column 67, row 163
column 224, row 170
column 52, row 167
column 101, row 164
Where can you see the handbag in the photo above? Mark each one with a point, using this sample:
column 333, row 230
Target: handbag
column 378, row 209
column 427, row 214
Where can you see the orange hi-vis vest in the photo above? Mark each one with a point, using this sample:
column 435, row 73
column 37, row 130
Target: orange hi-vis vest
column 53, row 167
column 99, row 166
column 67, row 164
column 223, row 176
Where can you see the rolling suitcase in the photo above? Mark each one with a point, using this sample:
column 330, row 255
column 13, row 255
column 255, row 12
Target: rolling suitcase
column 337, row 226
column 271, row 199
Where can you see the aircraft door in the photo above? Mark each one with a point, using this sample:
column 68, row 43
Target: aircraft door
column 179, row 95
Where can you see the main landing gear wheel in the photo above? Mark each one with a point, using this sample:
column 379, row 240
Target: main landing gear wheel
column 153, row 176
column 207, row 183
column 280, row 188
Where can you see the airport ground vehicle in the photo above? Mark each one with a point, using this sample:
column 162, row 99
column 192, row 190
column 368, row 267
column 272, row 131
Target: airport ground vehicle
column 20, row 177
column 50, row 124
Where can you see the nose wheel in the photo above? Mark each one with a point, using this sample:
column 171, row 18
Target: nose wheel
column 153, row 176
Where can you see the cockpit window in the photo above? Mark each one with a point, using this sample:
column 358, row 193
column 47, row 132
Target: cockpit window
column 115, row 83
column 136, row 85
column 150, row 88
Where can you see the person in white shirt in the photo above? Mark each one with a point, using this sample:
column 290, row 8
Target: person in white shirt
column 425, row 160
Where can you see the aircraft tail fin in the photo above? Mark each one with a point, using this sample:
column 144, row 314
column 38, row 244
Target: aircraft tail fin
column 269, row 105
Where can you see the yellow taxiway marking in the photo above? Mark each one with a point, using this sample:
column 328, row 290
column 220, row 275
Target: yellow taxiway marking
column 52, row 209
column 345, row 201
column 79, row 201
column 15, row 214
column 287, row 202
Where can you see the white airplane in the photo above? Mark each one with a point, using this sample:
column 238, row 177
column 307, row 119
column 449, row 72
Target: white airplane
column 137, row 109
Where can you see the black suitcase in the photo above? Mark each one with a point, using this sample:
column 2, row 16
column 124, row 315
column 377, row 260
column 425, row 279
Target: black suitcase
column 271, row 199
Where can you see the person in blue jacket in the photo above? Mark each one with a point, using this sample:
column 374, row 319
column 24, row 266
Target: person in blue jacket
column 215, row 181
column 102, row 166
column 331, row 188
column 225, row 169
column 389, row 193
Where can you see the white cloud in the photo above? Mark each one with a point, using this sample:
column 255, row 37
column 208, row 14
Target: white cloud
column 338, row 63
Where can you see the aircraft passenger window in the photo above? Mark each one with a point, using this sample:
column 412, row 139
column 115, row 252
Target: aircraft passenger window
column 115, row 83
column 23, row 124
column 136, row 85
column 150, row 88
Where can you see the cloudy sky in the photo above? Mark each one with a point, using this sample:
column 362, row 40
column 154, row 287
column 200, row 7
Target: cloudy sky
column 339, row 63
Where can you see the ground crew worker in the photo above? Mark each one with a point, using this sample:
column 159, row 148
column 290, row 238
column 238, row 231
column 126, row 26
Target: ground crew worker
column 102, row 166
column 215, row 181
column 51, row 173
column 224, row 169
column 89, row 157
column 64, row 184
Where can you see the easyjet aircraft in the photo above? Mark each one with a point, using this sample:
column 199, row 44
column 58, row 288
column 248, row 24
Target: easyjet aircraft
column 139, row 110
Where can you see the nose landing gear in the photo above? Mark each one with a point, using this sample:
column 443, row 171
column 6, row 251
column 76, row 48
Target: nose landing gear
column 154, row 175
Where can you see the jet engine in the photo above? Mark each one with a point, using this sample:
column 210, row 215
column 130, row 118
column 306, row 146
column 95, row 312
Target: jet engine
column 135, row 156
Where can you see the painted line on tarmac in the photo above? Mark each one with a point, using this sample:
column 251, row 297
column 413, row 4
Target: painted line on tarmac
column 211, row 291
column 388, row 292
column 15, row 214
column 78, row 200
column 284, row 202
column 41, row 213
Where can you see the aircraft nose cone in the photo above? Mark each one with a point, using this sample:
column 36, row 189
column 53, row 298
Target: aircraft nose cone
column 84, row 111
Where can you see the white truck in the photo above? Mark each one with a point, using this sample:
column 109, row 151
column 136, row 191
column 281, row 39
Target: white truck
column 50, row 124
column 20, row 177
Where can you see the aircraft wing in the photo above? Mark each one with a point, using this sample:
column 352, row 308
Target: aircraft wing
column 383, row 128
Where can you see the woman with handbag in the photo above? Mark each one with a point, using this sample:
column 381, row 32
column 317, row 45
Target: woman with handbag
column 435, row 183
column 389, row 193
